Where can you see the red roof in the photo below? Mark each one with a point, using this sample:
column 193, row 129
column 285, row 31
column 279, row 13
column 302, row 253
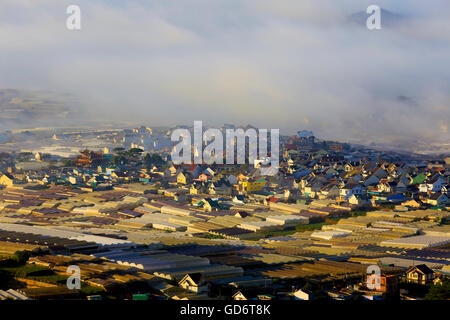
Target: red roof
column 192, row 167
column 291, row 146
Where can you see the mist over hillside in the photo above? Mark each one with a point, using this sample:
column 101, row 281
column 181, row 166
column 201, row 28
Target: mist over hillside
column 27, row 108
column 293, row 65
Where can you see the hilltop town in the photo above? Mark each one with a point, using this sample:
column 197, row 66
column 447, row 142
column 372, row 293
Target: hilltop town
column 138, row 226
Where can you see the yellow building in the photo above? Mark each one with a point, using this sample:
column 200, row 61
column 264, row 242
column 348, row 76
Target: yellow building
column 193, row 190
column 411, row 203
column 6, row 180
column 181, row 178
column 420, row 274
column 251, row 186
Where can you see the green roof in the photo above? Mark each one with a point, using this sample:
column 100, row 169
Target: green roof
column 420, row 178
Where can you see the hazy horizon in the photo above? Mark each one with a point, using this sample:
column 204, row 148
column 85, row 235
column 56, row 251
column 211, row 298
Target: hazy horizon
column 291, row 64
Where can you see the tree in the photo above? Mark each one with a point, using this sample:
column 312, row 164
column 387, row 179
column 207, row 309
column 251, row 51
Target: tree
column 307, row 287
column 25, row 156
column 134, row 151
column 439, row 292
column 118, row 160
column 154, row 159
column 68, row 162
column 21, row 257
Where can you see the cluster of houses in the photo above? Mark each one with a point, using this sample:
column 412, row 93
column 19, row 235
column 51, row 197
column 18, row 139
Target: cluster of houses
column 330, row 208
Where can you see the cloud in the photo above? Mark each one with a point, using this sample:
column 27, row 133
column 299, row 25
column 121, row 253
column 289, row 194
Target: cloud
column 275, row 64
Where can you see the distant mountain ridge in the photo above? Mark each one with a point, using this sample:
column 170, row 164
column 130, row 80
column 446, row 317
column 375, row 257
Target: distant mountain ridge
column 388, row 18
column 26, row 107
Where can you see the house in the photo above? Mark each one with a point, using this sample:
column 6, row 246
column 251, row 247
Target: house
column 171, row 171
column 209, row 172
column 419, row 274
column 434, row 184
column 204, row 204
column 389, row 284
column 419, row 179
column 438, row 199
column 331, row 190
column 331, row 173
column 194, row 170
column 211, row 188
column 380, row 173
column 312, row 188
column 116, row 175
column 203, row 177
column 265, row 297
column 194, row 189
column 239, row 296
column 371, row 181
column 384, row 186
column 438, row 280
column 351, row 188
column 145, row 177
column 394, row 197
column 73, row 179
column 406, row 180
column 340, row 295
column 358, row 200
column 401, row 186
column 411, row 203
column 89, row 158
column 252, row 185
column 348, row 167
column 6, row 180
column 193, row 283
column 238, row 199
column 181, row 178
column 303, row 295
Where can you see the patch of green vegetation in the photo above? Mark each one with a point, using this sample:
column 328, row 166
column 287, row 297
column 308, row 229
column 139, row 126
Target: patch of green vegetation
column 358, row 213
column 414, row 289
column 281, row 233
column 19, row 258
column 37, row 187
column 68, row 162
column 439, row 291
column 388, row 206
column 90, row 290
column 23, row 271
column 300, row 228
column 34, row 272
column 50, row 278
column 315, row 226
column 212, row 236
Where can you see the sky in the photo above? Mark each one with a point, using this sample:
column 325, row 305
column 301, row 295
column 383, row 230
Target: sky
column 284, row 64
